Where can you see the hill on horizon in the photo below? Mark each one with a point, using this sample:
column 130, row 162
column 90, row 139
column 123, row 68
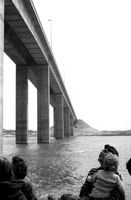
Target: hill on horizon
column 82, row 128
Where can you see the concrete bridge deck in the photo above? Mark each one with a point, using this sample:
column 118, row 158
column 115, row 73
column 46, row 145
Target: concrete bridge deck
column 23, row 39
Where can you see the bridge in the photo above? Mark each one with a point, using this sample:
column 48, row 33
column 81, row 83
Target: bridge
column 23, row 39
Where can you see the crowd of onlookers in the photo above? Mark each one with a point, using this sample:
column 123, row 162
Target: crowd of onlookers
column 101, row 183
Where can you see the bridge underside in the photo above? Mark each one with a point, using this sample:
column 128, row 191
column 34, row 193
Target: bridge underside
column 23, row 39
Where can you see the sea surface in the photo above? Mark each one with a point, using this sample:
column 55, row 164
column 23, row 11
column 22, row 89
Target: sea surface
column 62, row 165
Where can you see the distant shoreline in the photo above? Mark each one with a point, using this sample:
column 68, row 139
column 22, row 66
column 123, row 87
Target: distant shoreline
column 104, row 135
column 82, row 129
column 76, row 134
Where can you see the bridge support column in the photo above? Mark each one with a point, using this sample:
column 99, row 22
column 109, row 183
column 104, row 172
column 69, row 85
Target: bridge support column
column 71, row 125
column 54, row 122
column 59, row 117
column 1, row 71
column 21, row 104
column 43, row 92
column 66, row 122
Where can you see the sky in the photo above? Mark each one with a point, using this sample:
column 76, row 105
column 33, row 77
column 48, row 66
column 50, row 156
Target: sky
column 91, row 43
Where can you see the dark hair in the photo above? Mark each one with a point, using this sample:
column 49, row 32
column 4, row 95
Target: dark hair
column 19, row 167
column 128, row 166
column 5, row 169
column 111, row 149
column 68, row 196
column 111, row 162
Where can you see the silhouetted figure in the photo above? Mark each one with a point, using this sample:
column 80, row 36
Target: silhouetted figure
column 128, row 166
column 19, row 167
column 8, row 190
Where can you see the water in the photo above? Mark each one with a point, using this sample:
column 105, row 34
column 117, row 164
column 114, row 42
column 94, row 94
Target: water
column 62, row 165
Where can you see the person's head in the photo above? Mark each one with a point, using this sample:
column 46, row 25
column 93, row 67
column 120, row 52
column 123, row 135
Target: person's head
column 128, row 166
column 68, row 196
column 5, row 169
column 107, row 148
column 111, row 162
column 19, row 167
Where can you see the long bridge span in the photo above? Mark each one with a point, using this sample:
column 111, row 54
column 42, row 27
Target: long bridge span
column 23, row 39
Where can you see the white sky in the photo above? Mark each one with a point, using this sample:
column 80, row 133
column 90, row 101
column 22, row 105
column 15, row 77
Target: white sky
column 91, row 42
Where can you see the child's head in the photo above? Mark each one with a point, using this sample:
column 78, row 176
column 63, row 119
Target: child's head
column 19, row 167
column 107, row 148
column 68, row 196
column 5, row 169
column 128, row 166
column 111, row 162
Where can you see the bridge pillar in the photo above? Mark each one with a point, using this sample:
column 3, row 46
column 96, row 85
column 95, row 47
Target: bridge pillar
column 66, row 122
column 54, row 121
column 1, row 71
column 21, row 104
column 59, row 117
column 71, row 125
column 43, row 92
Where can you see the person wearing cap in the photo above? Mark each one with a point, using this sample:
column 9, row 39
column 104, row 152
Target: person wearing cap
column 87, row 187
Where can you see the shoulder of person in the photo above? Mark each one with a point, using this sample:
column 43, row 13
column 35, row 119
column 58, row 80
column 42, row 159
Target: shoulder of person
column 93, row 171
column 117, row 173
column 26, row 185
column 118, row 178
column 94, row 176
